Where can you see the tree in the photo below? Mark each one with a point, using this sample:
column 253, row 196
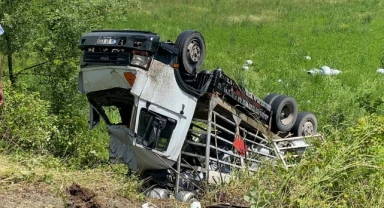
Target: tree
column 60, row 30
column 18, row 20
column 50, row 31
column 1, row 84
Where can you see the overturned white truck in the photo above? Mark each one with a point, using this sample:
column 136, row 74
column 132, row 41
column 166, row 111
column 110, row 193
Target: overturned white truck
column 180, row 127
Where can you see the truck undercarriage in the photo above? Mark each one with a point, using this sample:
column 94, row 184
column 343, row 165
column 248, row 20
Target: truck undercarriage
column 181, row 128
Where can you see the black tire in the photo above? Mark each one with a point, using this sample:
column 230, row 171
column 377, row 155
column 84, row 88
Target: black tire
column 305, row 125
column 285, row 112
column 270, row 97
column 191, row 47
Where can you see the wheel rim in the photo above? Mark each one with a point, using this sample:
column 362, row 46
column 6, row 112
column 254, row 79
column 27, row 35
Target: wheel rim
column 193, row 51
column 308, row 128
column 286, row 114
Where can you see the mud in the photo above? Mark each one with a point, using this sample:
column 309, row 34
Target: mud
column 80, row 197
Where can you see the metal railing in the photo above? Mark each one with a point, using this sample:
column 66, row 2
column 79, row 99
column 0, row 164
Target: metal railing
column 214, row 133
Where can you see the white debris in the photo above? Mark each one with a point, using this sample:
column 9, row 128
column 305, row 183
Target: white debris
column 308, row 58
column 196, row 204
column 1, row 30
column 249, row 62
column 314, row 71
column 279, row 80
column 381, row 71
column 325, row 70
column 148, row 205
column 253, row 166
column 309, row 101
column 264, row 151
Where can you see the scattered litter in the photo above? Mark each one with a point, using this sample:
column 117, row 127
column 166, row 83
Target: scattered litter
column 279, row 80
column 196, row 204
column 308, row 58
column 249, row 62
column 148, row 205
column 325, row 70
column 308, row 101
column 381, row 71
column 226, row 205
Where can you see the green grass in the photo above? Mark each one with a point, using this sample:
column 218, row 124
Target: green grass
column 277, row 35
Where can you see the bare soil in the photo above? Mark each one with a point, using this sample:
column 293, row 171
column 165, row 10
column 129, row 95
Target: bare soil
column 74, row 196
column 81, row 197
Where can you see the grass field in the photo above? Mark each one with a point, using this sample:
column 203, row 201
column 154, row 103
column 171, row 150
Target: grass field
column 278, row 36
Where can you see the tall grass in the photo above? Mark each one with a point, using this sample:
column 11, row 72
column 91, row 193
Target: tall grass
column 277, row 35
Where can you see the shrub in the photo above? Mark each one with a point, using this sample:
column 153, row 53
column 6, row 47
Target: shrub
column 25, row 120
column 75, row 144
column 28, row 126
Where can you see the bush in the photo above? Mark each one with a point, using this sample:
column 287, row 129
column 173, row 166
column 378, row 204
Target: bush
column 25, row 121
column 28, row 126
column 74, row 143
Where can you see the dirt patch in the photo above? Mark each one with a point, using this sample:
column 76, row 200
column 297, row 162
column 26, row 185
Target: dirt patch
column 33, row 196
column 71, row 196
column 81, row 197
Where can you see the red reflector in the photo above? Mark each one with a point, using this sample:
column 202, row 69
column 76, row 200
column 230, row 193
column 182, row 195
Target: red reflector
column 176, row 66
column 130, row 77
column 240, row 146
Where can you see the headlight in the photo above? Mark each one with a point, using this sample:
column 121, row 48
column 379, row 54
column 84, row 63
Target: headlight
column 141, row 61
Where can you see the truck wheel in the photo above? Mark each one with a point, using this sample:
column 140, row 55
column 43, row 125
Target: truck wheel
column 270, row 97
column 305, row 125
column 191, row 47
column 284, row 115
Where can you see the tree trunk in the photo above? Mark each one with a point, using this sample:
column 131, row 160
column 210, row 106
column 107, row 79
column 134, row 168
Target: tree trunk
column 10, row 69
column 10, row 64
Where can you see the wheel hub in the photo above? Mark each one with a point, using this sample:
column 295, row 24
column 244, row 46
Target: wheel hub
column 308, row 128
column 286, row 115
column 193, row 51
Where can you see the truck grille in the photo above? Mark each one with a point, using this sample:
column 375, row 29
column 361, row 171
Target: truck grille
column 106, row 55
